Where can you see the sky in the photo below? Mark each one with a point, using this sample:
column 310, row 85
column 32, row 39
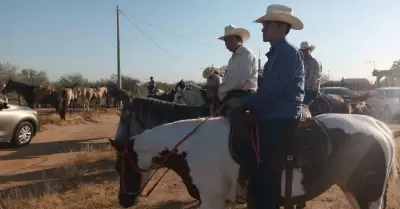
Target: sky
column 79, row 36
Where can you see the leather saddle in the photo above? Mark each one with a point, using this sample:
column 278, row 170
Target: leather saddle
column 308, row 143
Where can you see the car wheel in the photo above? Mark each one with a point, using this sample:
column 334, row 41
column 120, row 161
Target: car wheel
column 23, row 134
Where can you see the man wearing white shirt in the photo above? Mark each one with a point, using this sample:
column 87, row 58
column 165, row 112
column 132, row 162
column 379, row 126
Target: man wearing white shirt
column 242, row 72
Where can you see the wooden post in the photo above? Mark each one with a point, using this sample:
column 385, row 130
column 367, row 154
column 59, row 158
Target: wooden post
column 118, row 54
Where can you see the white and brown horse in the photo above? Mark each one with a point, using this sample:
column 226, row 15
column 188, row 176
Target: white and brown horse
column 358, row 154
column 90, row 94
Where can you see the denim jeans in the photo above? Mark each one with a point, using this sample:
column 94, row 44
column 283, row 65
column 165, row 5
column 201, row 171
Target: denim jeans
column 265, row 181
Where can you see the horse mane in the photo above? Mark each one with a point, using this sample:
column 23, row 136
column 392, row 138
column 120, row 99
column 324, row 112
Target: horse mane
column 162, row 111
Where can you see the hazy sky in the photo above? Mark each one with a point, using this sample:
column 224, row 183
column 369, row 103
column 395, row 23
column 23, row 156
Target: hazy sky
column 72, row 36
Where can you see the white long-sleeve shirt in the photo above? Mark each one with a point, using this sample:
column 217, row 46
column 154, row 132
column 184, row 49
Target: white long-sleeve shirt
column 241, row 73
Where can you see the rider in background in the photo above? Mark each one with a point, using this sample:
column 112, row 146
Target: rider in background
column 151, row 86
column 313, row 70
column 240, row 78
column 212, row 77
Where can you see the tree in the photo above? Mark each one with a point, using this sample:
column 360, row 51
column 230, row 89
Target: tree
column 324, row 78
column 34, row 77
column 70, row 80
column 396, row 65
column 7, row 71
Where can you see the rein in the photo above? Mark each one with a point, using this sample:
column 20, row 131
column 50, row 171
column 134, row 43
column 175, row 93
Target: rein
column 125, row 153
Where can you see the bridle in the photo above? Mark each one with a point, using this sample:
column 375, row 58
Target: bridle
column 125, row 153
column 126, row 119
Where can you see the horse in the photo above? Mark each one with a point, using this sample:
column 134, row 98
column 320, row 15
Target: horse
column 99, row 94
column 71, row 95
column 117, row 96
column 170, row 95
column 30, row 93
column 183, row 96
column 355, row 152
column 88, row 94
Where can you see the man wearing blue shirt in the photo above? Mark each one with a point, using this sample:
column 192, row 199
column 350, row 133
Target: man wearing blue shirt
column 277, row 102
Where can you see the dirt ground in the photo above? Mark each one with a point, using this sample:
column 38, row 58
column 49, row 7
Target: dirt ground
column 72, row 166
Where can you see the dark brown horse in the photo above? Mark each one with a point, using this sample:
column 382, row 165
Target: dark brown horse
column 332, row 103
column 35, row 94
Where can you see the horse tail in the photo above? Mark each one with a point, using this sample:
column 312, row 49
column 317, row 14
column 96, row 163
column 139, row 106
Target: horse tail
column 394, row 171
column 64, row 107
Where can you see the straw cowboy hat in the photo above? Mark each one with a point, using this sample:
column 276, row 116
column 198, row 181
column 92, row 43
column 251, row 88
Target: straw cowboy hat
column 306, row 45
column 277, row 12
column 207, row 72
column 232, row 30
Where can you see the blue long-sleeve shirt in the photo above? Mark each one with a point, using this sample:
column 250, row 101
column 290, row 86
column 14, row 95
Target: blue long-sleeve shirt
column 281, row 92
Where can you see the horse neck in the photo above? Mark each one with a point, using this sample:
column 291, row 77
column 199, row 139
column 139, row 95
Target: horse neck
column 24, row 90
column 156, row 140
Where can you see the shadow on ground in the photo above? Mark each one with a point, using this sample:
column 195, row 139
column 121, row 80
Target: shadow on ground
column 59, row 179
column 54, row 147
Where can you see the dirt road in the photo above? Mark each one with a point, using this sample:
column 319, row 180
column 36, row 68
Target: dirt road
column 55, row 146
column 58, row 145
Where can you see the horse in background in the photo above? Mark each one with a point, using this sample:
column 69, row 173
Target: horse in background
column 183, row 96
column 71, row 95
column 36, row 94
column 116, row 97
column 332, row 103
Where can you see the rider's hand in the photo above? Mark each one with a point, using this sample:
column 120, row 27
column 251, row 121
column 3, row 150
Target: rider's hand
column 234, row 103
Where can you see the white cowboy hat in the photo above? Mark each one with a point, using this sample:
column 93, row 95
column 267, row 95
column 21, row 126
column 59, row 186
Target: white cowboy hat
column 232, row 30
column 277, row 12
column 207, row 72
column 306, row 45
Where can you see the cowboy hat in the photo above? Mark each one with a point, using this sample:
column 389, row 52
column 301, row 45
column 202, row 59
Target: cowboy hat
column 232, row 30
column 306, row 45
column 277, row 12
column 207, row 72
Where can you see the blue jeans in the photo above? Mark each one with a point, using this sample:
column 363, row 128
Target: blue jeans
column 264, row 181
column 310, row 96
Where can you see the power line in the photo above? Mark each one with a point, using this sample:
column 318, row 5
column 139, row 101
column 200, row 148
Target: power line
column 170, row 33
column 143, row 33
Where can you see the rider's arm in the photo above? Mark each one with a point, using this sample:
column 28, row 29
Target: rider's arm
column 283, row 70
column 238, row 72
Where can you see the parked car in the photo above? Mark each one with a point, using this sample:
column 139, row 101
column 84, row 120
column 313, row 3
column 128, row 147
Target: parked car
column 386, row 99
column 18, row 124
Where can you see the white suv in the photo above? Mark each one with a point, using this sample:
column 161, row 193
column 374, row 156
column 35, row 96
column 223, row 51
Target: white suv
column 387, row 100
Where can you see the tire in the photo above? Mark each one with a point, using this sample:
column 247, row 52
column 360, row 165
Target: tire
column 23, row 134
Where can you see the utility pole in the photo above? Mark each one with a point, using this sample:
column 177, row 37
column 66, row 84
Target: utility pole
column 371, row 62
column 118, row 54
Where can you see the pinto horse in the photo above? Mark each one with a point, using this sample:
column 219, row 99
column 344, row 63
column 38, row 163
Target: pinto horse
column 358, row 155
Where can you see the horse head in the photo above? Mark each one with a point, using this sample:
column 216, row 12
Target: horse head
column 8, row 87
column 130, row 172
column 179, row 96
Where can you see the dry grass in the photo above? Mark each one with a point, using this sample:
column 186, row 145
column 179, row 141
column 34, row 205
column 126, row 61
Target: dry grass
column 90, row 176
column 81, row 117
